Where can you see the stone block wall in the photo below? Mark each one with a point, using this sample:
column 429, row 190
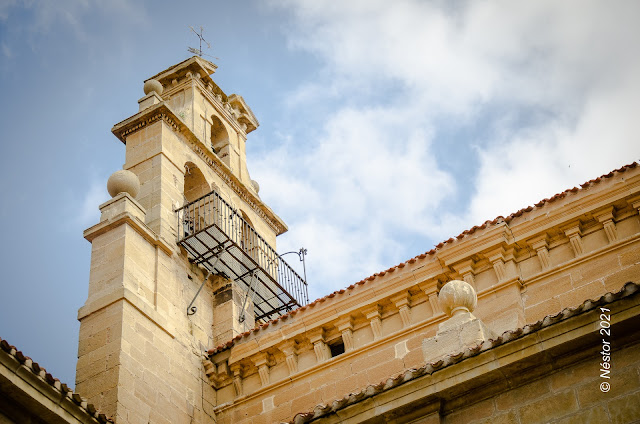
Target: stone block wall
column 569, row 396
column 532, row 267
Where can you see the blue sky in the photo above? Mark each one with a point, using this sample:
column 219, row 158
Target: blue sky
column 385, row 127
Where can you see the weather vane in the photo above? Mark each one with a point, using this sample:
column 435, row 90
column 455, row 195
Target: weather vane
column 199, row 50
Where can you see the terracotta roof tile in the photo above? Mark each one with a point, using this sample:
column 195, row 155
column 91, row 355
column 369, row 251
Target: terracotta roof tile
column 39, row 371
column 319, row 411
column 465, row 233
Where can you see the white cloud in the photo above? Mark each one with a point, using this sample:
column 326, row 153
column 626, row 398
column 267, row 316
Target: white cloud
column 367, row 177
column 547, row 92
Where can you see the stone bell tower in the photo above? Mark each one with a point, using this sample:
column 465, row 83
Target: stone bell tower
column 183, row 256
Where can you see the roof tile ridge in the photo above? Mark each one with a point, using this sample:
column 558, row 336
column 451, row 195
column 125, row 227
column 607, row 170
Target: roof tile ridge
column 433, row 251
column 370, row 390
column 42, row 373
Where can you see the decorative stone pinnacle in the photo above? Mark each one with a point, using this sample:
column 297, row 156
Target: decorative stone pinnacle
column 153, row 86
column 123, row 181
column 457, row 297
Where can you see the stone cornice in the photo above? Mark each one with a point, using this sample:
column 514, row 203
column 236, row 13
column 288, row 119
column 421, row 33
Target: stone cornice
column 134, row 300
column 193, row 64
column 146, row 117
column 337, row 313
column 324, row 365
column 162, row 112
column 531, row 224
column 198, row 70
column 135, row 223
column 512, row 360
column 428, row 268
column 217, row 100
column 422, row 273
column 594, row 199
column 464, row 248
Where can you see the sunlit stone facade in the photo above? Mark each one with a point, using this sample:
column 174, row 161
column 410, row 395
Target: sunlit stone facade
column 382, row 349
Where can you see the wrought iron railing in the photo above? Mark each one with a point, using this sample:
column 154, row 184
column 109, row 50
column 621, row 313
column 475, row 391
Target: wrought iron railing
column 217, row 236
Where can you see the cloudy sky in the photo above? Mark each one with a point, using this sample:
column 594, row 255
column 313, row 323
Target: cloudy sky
column 386, row 127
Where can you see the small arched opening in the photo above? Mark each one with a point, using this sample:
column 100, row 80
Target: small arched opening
column 219, row 136
column 195, row 186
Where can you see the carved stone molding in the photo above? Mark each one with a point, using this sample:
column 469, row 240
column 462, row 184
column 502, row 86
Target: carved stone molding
column 345, row 326
column 260, row 361
column 236, row 369
column 497, row 259
column 575, row 238
column 403, row 303
column 320, row 347
column 373, row 315
column 237, row 189
column 218, row 375
column 606, row 219
column 465, row 269
column 540, row 245
column 289, row 348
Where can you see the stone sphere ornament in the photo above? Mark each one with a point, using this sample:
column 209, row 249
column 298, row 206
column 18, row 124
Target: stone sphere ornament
column 153, row 86
column 255, row 185
column 457, row 297
column 123, row 181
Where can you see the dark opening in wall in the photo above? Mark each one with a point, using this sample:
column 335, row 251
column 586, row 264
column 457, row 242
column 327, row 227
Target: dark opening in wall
column 336, row 347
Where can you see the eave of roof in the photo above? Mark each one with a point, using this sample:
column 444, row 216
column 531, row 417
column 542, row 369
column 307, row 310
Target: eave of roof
column 465, row 233
column 46, row 377
column 319, row 411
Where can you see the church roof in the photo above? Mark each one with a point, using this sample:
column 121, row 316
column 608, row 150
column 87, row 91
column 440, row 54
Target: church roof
column 46, row 378
column 489, row 223
column 630, row 289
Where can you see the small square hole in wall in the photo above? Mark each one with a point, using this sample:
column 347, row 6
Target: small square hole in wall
column 336, row 347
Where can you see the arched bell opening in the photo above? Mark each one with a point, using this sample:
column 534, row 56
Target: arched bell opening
column 219, row 137
column 196, row 217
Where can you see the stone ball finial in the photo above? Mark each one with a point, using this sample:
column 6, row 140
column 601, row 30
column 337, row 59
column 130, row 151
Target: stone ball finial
column 255, row 185
column 153, row 86
column 123, row 181
column 457, row 297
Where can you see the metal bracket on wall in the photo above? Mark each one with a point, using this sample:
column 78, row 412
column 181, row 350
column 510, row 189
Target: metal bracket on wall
column 191, row 310
column 242, row 317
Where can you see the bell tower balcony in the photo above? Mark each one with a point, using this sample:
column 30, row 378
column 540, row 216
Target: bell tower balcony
column 216, row 236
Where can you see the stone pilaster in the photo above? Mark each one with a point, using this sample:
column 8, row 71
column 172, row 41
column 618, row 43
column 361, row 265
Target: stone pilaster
column 290, row 353
column 402, row 301
column 345, row 326
column 236, row 370
column 465, row 269
column 320, row 347
column 575, row 238
column 375, row 320
column 260, row 361
column 540, row 245
column 606, row 218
